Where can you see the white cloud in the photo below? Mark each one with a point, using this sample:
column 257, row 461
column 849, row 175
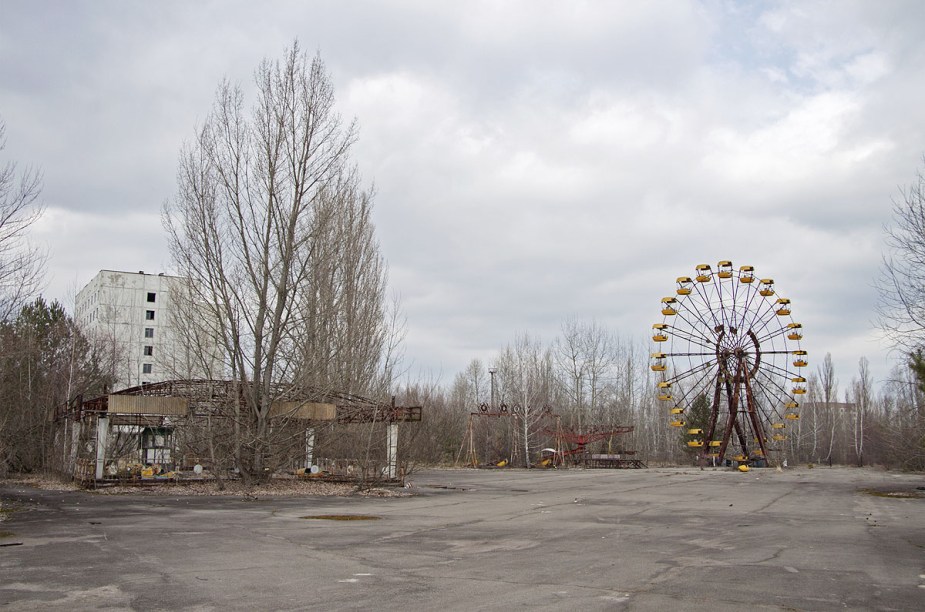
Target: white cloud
column 533, row 160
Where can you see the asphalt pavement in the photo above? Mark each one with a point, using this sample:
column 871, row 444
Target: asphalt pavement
column 655, row 539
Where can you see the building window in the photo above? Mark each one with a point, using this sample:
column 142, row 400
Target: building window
column 149, row 350
column 149, row 332
column 151, row 296
column 149, row 315
column 146, row 368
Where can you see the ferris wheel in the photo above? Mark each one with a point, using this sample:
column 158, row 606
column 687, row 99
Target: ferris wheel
column 728, row 358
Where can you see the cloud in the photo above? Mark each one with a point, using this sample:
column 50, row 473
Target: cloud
column 532, row 160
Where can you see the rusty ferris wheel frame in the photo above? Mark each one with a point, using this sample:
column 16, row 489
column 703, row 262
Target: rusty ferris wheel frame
column 728, row 341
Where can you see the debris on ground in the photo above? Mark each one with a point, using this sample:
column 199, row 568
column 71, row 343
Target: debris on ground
column 232, row 488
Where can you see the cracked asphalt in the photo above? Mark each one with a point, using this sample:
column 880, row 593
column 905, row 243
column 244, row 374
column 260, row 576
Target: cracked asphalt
column 652, row 539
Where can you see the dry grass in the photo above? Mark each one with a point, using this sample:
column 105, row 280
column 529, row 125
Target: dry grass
column 46, row 482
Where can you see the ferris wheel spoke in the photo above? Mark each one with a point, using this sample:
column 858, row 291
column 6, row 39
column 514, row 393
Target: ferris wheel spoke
column 766, row 323
column 693, row 339
column 773, row 388
column 698, row 386
column 708, row 319
column 777, row 369
column 766, row 379
column 780, row 331
column 748, row 305
column 764, row 314
column 692, row 373
column 693, row 325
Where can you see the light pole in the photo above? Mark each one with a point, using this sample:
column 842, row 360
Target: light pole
column 491, row 373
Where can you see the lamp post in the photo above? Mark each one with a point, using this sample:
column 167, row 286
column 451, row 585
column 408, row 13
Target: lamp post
column 491, row 373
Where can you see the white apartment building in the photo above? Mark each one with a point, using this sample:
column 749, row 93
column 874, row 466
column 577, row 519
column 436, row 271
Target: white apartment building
column 135, row 313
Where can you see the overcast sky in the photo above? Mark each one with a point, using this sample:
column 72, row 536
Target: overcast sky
column 533, row 160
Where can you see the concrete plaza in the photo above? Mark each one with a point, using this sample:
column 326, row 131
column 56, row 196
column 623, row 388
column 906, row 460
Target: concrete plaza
column 656, row 539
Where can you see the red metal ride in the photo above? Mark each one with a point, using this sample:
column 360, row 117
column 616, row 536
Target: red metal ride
column 578, row 452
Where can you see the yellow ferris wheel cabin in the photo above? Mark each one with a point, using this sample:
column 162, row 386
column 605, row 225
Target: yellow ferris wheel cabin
column 704, row 273
column 783, row 307
column 660, row 334
column 767, row 287
column 668, row 306
column 746, row 274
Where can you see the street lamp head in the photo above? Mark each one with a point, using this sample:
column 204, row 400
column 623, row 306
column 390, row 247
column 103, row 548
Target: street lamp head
column 492, row 370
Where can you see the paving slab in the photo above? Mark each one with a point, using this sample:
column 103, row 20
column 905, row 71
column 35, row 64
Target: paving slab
column 656, row 539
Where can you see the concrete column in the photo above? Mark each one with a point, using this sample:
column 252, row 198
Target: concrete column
column 309, row 447
column 392, row 445
column 102, row 437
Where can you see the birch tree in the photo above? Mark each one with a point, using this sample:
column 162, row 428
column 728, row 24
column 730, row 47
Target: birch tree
column 586, row 355
column 861, row 392
column 828, row 394
column 528, row 381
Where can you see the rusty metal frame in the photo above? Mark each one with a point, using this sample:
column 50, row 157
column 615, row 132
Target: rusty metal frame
column 209, row 396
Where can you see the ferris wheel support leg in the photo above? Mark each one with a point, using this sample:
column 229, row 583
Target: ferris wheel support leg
column 740, row 382
column 714, row 413
column 743, row 441
column 733, row 397
column 753, row 416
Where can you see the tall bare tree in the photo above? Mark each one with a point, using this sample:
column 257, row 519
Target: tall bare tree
column 22, row 265
column 861, row 396
column 902, row 278
column 587, row 354
column 827, row 395
column 273, row 232
column 527, row 378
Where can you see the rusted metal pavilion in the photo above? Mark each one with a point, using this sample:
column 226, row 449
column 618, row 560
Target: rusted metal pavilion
column 157, row 407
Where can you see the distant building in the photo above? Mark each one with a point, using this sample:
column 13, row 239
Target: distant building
column 136, row 315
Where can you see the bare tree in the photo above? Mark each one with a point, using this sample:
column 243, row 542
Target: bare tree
column 902, row 279
column 587, row 354
column 527, row 378
column 273, row 232
column 572, row 365
column 22, row 265
column 861, row 392
column 828, row 394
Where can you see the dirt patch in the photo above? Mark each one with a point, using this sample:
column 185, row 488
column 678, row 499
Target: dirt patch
column 910, row 493
column 233, row 488
column 342, row 517
column 285, row 488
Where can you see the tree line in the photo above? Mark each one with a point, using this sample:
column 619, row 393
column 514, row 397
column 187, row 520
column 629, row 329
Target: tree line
column 596, row 380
